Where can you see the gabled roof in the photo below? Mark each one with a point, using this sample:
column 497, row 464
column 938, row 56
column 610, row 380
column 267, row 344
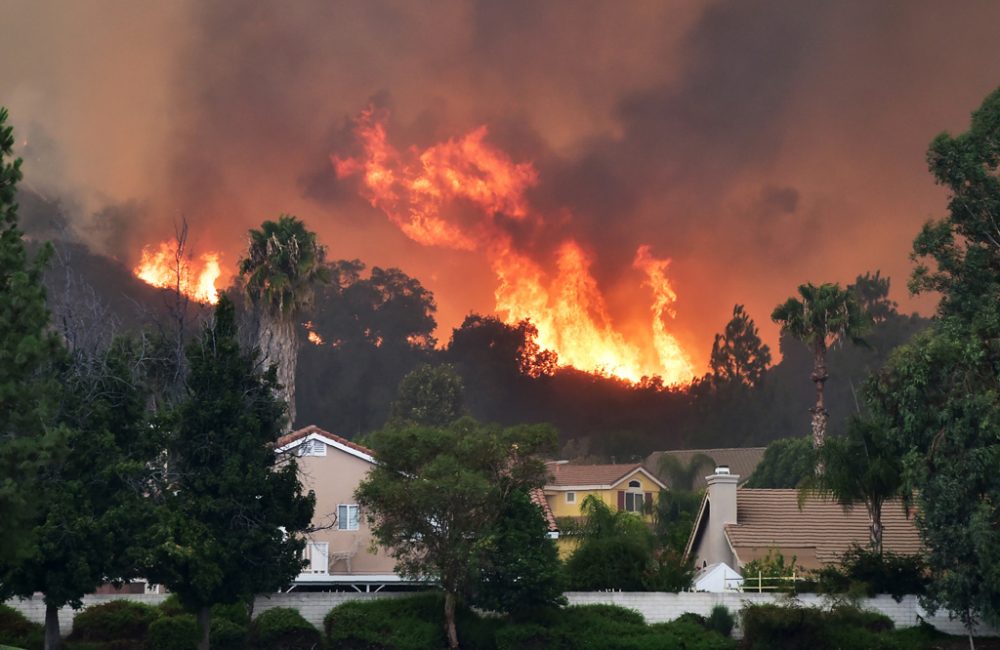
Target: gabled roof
column 538, row 498
column 817, row 534
column 312, row 432
column 563, row 475
column 741, row 460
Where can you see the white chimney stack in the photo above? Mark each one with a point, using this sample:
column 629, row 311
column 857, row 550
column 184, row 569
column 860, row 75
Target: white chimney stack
column 721, row 511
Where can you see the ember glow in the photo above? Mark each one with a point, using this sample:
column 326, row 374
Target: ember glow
column 426, row 194
column 165, row 267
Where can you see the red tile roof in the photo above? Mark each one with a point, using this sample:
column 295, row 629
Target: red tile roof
column 312, row 428
column 565, row 474
column 538, row 498
column 817, row 534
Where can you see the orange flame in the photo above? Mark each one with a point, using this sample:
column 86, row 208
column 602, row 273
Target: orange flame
column 166, row 268
column 419, row 191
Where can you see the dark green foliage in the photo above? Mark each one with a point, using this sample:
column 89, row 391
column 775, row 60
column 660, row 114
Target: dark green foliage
column 18, row 631
column 617, row 550
column 429, row 396
column 938, row 395
column 673, row 517
column 375, row 330
column 219, row 535
column 721, row 620
column 172, row 606
column 785, row 464
column 30, row 353
column 518, row 569
column 864, row 571
column 226, row 635
column 174, row 633
column 118, row 620
column 738, row 354
column 463, row 474
column 283, row 628
column 794, row 627
column 410, row 623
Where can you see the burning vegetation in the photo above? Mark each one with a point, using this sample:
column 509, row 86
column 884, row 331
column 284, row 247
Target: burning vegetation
column 457, row 194
column 167, row 266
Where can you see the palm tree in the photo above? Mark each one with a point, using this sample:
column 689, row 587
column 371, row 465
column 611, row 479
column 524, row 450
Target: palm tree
column 683, row 476
column 825, row 315
column 282, row 266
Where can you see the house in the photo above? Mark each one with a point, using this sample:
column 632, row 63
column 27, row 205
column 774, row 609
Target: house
column 740, row 460
column 736, row 525
column 340, row 550
column 629, row 487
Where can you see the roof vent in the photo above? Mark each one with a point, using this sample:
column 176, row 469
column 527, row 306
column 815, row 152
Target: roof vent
column 722, row 469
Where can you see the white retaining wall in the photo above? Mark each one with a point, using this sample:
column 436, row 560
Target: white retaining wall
column 656, row 607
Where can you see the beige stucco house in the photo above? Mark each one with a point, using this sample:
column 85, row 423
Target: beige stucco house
column 340, row 550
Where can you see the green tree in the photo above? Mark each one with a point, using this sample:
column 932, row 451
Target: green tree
column 29, row 355
column 518, row 571
column 786, row 462
column 617, row 550
column 438, row 492
column 431, row 396
column 825, row 315
column 872, row 292
column 863, row 467
column 227, row 527
column 938, row 394
column 684, row 476
column 90, row 503
column 738, row 354
column 280, row 271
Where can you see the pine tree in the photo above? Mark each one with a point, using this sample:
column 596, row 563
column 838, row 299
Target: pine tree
column 232, row 507
column 29, row 353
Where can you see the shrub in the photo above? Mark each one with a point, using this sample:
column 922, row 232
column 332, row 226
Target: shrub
column 721, row 620
column 227, row 635
column 16, row 630
column 174, row 633
column 283, row 628
column 793, row 627
column 525, row 636
column 237, row 613
column 866, row 572
column 412, row 623
column 172, row 606
column 117, row 620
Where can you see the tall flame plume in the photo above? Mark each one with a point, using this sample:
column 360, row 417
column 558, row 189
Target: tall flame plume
column 166, row 266
column 418, row 191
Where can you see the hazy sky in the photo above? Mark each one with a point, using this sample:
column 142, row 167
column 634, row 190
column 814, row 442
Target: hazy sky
column 759, row 144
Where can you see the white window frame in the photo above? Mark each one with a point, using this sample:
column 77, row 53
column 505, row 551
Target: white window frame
column 344, row 521
column 571, row 497
column 319, row 557
column 313, row 448
column 635, row 500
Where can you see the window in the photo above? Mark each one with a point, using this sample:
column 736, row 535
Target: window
column 347, row 517
column 633, row 501
column 318, row 554
column 571, row 497
column 312, row 448
column 634, row 484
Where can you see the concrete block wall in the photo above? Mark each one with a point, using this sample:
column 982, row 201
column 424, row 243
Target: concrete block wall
column 656, row 607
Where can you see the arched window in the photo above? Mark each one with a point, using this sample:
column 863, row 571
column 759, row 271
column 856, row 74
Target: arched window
column 633, row 497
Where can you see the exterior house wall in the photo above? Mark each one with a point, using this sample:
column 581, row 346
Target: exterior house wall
column 712, row 546
column 333, row 478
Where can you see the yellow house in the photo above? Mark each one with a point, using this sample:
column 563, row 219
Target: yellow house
column 621, row 487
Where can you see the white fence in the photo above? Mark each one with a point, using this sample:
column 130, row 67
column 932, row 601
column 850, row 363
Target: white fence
column 656, row 607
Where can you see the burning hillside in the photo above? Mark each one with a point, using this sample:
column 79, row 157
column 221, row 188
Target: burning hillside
column 457, row 194
column 167, row 266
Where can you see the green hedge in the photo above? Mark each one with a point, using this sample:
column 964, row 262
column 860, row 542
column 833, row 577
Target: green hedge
column 794, row 627
column 18, row 631
column 283, row 628
column 124, row 622
column 416, row 623
column 174, row 633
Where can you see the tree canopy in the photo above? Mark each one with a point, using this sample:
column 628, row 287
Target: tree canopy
column 738, row 354
column 437, row 493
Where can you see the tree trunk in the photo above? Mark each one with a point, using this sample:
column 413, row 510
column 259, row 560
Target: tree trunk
column 53, row 640
column 279, row 345
column 875, row 527
column 205, row 623
column 449, row 620
column 819, row 413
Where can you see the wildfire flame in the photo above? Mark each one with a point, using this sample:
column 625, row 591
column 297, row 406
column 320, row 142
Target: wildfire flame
column 166, row 267
column 418, row 191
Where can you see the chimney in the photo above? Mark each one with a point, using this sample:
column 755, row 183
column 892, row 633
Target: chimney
column 721, row 511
